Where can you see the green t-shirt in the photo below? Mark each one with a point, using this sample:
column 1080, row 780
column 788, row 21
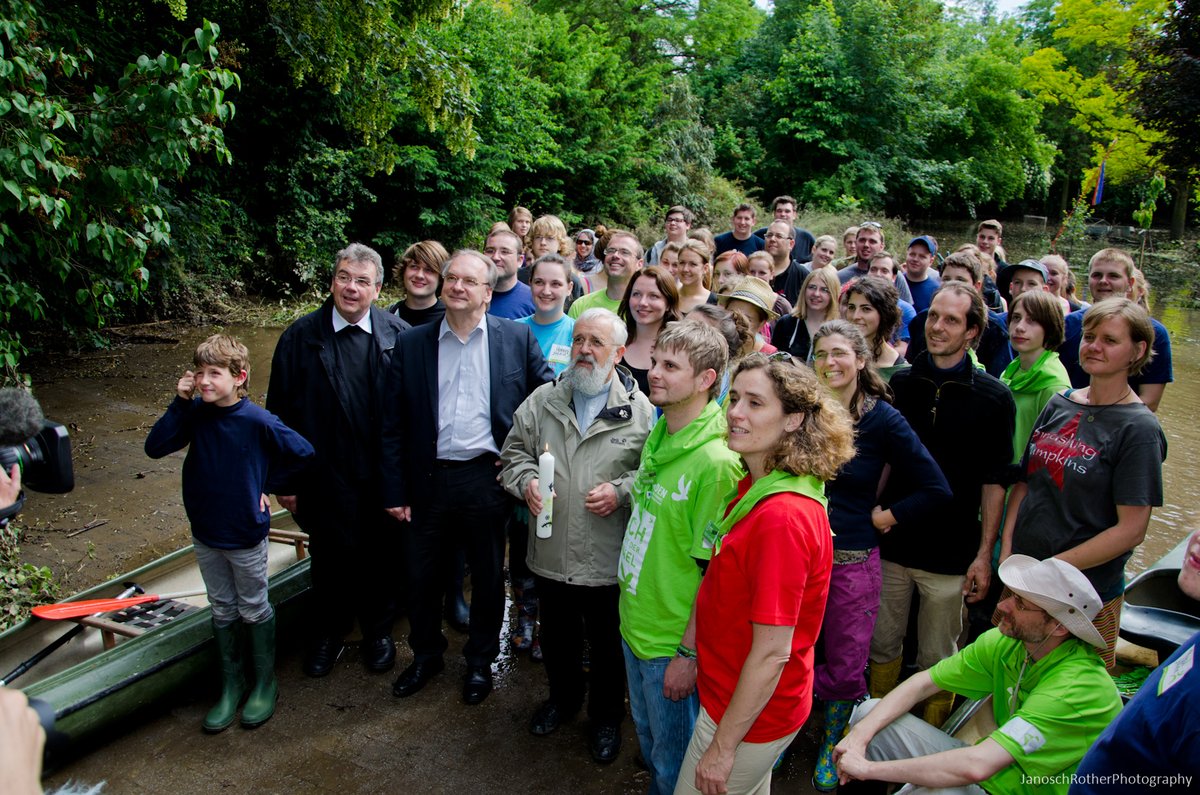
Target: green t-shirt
column 681, row 489
column 599, row 298
column 1066, row 700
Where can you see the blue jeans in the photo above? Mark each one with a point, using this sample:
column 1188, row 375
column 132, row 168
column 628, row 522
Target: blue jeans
column 664, row 727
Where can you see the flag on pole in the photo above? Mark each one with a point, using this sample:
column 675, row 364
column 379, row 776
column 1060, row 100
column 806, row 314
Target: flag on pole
column 1099, row 192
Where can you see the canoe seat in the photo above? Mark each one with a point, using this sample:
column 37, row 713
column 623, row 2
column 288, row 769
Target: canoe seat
column 136, row 620
column 296, row 538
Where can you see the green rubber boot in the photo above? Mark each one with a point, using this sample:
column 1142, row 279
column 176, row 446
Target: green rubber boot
column 837, row 717
column 233, row 683
column 260, row 705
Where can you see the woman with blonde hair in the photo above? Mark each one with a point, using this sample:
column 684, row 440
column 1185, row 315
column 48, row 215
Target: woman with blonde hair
column 759, row 608
column 817, row 305
column 1092, row 471
column 519, row 221
column 548, row 235
column 695, row 266
column 824, row 252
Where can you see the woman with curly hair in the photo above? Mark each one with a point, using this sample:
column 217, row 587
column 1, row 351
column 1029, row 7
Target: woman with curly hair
column 884, row 443
column 759, row 608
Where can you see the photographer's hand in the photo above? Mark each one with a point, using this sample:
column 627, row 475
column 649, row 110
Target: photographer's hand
column 10, row 486
column 21, row 751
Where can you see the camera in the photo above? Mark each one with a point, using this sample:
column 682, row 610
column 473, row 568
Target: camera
column 44, row 458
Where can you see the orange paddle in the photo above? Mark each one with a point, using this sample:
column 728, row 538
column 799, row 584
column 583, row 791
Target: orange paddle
column 89, row 606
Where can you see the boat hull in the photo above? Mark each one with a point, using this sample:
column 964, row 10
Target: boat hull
column 90, row 687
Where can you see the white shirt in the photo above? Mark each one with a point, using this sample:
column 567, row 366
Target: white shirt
column 464, row 379
column 340, row 322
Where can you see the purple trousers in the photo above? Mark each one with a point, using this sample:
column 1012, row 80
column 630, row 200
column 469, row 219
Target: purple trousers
column 850, row 613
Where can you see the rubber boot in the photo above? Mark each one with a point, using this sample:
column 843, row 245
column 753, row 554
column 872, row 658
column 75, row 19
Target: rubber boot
column 837, row 718
column 883, row 677
column 938, row 708
column 260, row 705
column 233, row 682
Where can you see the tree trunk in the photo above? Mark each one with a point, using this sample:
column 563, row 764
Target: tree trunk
column 1064, row 201
column 1179, row 208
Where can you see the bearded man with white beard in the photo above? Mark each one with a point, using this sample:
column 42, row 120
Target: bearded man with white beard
column 594, row 421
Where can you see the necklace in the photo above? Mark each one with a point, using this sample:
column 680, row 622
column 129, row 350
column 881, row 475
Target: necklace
column 1093, row 414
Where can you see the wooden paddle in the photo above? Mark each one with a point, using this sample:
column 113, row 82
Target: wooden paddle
column 89, row 606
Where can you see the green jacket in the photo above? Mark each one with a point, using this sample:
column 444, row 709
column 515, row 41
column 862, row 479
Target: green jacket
column 679, row 495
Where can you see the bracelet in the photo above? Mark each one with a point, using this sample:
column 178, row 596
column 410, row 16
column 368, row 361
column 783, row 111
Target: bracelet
column 684, row 651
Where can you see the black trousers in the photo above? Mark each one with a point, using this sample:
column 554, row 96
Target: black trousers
column 466, row 504
column 568, row 614
column 355, row 570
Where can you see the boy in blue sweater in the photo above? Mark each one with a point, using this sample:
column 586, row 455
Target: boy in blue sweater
column 237, row 454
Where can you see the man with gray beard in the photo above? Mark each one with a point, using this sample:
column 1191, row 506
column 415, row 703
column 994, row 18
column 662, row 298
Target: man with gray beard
column 594, row 421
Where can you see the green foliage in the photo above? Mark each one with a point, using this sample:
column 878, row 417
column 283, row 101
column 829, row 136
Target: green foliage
column 22, row 585
column 82, row 164
column 895, row 102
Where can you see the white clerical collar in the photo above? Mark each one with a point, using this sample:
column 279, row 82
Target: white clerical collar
column 340, row 322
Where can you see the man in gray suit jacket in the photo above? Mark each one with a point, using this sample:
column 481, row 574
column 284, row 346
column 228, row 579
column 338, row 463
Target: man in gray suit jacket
column 451, row 394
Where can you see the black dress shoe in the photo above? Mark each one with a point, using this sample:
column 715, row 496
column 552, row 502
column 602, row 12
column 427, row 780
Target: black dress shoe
column 606, row 742
column 379, row 654
column 416, row 675
column 322, row 655
column 547, row 719
column 478, row 684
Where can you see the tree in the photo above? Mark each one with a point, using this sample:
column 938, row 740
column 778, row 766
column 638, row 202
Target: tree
column 83, row 164
column 1166, row 88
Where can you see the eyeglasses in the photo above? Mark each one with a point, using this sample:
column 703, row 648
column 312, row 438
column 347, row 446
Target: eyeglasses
column 506, row 252
column 781, row 356
column 675, row 219
column 870, row 225
column 465, row 281
column 776, row 236
column 578, row 341
column 621, row 252
column 344, row 279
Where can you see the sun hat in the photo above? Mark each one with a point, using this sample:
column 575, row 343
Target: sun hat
column 1058, row 588
column 753, row 291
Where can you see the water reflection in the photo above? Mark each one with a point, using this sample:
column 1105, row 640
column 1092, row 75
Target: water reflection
column 1179, row 414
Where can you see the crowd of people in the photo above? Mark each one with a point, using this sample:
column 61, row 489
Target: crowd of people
column 720, row 474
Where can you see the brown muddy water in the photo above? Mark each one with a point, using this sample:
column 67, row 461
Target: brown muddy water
column 348, row 733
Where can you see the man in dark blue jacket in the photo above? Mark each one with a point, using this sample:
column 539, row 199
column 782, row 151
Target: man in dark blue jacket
column 451, row 395
column 965, row 418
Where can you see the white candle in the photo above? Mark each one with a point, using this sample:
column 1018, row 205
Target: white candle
column 545, row 519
